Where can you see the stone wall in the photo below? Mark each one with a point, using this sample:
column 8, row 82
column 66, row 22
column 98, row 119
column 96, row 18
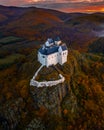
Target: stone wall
column 36, row 83
column 33, row 82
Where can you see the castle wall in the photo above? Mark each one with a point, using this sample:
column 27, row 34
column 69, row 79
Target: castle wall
column 62, row 58
column 42, row 58
column 52, row 59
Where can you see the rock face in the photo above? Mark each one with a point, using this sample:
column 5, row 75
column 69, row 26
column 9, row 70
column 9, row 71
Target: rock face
column 35, row 124
column 50, row 98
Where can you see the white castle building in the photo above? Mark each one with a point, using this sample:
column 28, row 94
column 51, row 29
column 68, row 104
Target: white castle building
column 53, row 52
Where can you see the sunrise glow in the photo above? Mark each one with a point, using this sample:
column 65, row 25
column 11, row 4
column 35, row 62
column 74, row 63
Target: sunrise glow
column 61, row 5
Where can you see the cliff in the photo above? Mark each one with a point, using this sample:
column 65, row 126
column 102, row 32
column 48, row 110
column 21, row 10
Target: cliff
column 51, row 97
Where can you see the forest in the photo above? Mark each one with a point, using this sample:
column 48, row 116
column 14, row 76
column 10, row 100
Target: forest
column 79, row 105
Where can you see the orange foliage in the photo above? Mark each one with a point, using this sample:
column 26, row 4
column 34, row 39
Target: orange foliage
column 65, row 111
column 42, row 112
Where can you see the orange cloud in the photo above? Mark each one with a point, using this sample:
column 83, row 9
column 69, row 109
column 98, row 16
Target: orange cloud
column 89, row 9
column 61, row 5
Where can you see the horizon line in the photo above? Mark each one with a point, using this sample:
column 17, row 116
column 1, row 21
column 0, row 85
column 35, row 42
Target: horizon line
column 46, row 8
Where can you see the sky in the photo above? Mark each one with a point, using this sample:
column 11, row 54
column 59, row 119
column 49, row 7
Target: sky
column 88, row 6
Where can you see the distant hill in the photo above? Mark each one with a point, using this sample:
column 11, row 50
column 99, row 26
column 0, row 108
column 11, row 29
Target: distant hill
column 31, row 22
column 11, row 13
column 37, row 24
column 97, row 46
column 2, row 18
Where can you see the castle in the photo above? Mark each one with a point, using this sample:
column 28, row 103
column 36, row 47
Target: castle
column 53, row 52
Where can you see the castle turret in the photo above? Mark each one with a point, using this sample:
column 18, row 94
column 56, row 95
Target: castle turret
column 57, row 41
column 49, row 42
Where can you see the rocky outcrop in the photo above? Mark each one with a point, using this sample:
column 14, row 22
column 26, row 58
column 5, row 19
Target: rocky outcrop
column 75, row 104
column 50, row 98
column 35, row 124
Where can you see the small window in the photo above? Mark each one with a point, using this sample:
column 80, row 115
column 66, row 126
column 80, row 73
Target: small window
column 43, row 56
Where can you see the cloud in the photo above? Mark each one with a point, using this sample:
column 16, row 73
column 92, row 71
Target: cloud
column 14, row 2
column 21, row 2
column 62, row 5
column 73, row 6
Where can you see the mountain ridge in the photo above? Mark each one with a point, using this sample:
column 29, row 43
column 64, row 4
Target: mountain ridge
column 49, row 23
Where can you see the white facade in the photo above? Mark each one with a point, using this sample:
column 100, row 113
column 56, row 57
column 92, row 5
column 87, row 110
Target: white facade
column 63, row 57
column 53, row 53
column 42, row 58
column 51, row 59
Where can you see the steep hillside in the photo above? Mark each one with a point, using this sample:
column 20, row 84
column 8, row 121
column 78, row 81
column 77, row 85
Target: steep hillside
column 79, row 100
column 2, row 18
column 97, row 46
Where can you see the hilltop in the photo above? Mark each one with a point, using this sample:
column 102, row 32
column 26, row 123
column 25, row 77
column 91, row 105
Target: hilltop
column 80, row 96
